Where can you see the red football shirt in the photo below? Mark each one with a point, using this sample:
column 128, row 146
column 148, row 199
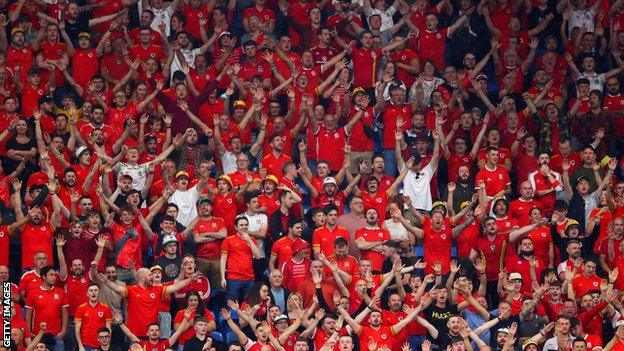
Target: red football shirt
column 372, row 235
column 282, row 250
column 143, row 306
column 47, row 306
column 437, row 245
column 239, row 265
column 92, row 317
column 323, row 238
column 496, row 179
column 35, row 238
column 210, row 250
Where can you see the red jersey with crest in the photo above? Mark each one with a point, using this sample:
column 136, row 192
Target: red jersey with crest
column 437, row 245
column 372, row 235
column 92, row 318
column 210, row 250
column 323, row 238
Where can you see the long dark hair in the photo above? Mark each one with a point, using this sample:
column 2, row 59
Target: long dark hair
column 200, row 311
column 253, row 297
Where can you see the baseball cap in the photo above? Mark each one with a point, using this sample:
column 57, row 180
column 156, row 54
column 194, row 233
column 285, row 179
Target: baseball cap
column 330, row 180
column 481, row 76
column 182, row 174
column 438, row 204
column 571, row 222
column 358, row 90
column 226, row 178
column 298, row 245
column 578, row 180
column 281, row 317
column 224, row 33
column 465, row 204
column 168, row 239
column 514, row 276
column 80, row 150
column 503, row 330
column 550, row 102
column 155, row 267
column 271, row 178
column 528, row 343
column 16, row 30
column 84, row 35
column 239, row 103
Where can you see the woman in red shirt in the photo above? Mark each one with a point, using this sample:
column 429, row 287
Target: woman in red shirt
column 193, row 301
column 258, row 296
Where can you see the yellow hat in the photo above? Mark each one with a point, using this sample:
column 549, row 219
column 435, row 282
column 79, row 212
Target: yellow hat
column 15, row 30
column 465, row 204
column 271, row 178
column 605, row 161
column 438, row 204
column 182, row 174
column 359, row 90
column 239, row 103
column 226, row 178
column 85, row 35
column 571, row 222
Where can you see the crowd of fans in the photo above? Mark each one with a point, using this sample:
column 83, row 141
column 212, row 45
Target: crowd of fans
column 302, row 175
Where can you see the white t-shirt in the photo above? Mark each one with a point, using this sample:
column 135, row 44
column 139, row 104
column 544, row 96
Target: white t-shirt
column 580, row 17
column 187, row 204
column 596, row 81
column 228, row 160
column 138, row 173
column 256, row 221
column 161, row 16
column 386, row 17
column 419, row 189
column 189, row 57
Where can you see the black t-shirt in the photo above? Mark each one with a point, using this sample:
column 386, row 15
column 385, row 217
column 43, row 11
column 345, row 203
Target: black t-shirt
column 194, row 344
column 438, row 317
column 73, row 29
column 171, row 267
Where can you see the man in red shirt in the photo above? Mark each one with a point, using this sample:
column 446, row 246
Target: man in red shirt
column 143, row 299
column 296, row 270
column 437, row 235
column 369, row 240
column 519, row 208
column 323, row 238
column 382, row 335
column 146, row 48
column 495, row 177
column 588, row 280
column 282, row 250
column 90, row 317
column 127, row 239
column 154, row 341
column 546, row 183
column 432, row 41
column 19, row 56
column 274, row 161
column 48, row 304
column 36, row 236
column 565, row 154
column 526, row 263
column 237, row 254
column 264, row 14
column 52, row 49
column 76, row 281
column 208, row 235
